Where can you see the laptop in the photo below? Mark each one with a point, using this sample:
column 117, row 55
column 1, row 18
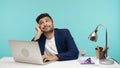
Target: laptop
column 26, row 51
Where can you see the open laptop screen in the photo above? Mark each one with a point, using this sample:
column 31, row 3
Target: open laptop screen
column 26, row 51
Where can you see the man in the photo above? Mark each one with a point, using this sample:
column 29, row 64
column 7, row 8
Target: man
column 55, row 44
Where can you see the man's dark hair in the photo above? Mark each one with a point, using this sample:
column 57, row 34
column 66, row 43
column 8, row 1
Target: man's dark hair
column 42, row 16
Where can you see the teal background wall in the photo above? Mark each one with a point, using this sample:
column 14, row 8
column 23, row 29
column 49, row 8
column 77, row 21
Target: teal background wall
column 17, row 21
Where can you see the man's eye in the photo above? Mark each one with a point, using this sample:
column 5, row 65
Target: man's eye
column 47, row 20
column 41, row 22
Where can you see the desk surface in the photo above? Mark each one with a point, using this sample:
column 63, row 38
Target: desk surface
column 8, row 62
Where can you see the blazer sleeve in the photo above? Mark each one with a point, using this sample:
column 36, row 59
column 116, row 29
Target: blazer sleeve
column 72, row 50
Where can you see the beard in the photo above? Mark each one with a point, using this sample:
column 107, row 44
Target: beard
column 48, row 31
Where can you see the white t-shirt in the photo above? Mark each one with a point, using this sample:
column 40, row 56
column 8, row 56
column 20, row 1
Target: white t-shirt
column 50, row 47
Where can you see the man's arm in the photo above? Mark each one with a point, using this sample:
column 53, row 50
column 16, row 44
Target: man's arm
column 72, row 50
column 49, row 58
column 38, row 34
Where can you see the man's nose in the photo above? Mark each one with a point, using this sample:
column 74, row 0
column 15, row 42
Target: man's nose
column 45, row 24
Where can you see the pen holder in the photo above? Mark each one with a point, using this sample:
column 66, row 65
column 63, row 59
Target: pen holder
column 100, row 53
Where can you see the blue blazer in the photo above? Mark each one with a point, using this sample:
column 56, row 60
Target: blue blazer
column 66, row 47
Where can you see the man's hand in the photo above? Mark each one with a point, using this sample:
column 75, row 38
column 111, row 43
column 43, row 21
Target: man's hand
column 49, row 58
column 39, row 32
column 38, row 28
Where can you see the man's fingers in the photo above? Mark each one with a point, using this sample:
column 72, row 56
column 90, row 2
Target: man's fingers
column 43, row 56
column 45, row 60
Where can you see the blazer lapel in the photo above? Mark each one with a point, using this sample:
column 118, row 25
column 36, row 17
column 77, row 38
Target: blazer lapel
column 57, row 42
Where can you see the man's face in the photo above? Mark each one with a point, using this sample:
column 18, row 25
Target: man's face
column 46, row 25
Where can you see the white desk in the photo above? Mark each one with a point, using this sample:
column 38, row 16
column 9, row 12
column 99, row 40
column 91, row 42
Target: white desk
column 8, row 62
